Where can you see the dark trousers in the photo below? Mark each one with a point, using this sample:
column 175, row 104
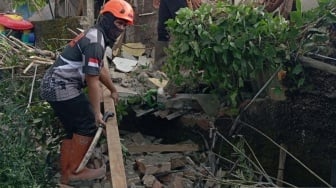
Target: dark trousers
column 76, row 115
column 167, row 10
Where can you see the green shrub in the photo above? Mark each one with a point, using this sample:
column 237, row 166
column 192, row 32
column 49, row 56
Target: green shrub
column 223, row 46
column 25, row 140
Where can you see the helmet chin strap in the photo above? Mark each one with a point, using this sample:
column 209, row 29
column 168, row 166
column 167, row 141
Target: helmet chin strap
column 112, row 32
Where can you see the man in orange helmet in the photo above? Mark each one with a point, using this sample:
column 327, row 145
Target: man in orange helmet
column 80, row 66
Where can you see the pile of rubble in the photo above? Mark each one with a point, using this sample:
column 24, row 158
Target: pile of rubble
column 150, row 164
column 132, row 74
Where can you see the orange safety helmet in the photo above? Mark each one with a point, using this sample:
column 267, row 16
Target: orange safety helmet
column 120, row 9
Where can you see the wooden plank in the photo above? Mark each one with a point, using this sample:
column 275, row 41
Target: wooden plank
column 307, row 61
column 118, row 175
column 162, row 148
column 11, row 67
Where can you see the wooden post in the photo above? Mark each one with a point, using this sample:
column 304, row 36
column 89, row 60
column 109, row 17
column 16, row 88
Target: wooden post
column 118, row 175
column 89, row 13
column 281, row 167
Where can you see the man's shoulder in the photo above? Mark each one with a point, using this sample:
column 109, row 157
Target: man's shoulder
column 94, row 35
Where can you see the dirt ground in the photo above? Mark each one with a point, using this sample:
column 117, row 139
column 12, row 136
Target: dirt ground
column 305, row 123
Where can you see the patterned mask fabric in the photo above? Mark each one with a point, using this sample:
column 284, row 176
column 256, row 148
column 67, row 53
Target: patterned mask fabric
column 111, row 31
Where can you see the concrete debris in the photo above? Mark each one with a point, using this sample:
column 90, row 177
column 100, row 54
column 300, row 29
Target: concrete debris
column 158, row 82
column 134, row 49
column 140, row 112
column 126, row 55
column 169, row 166
column 162, row 148
column 201, row 120
column 160, row 97
column 149, row 180
column 144, row 61
column 123, row 64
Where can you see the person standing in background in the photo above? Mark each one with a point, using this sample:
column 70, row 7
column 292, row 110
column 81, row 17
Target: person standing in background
column 167, row 10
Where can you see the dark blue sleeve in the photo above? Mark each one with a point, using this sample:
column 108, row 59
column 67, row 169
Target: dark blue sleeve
column 93, row 59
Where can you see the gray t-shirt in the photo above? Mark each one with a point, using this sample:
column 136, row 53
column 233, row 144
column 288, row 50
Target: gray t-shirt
column 65, row 79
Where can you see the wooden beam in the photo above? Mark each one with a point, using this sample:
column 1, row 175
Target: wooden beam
column 162, row 148
column 118, row 175
column 309, row 62
column 281, row 166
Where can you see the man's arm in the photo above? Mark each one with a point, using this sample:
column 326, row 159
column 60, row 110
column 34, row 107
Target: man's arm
column 107, row 81
column 94, row 93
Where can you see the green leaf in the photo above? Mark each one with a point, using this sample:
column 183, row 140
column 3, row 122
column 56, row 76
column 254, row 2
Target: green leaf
column 300, row 82
column 184, row 47
column 232, row 44
column 233, row 98
column 297, row 69
column 237, row 54
column 218, row 49
column 296, row 17
column 278, row 91
column 241, row 82
column 37, row 120
column 298, row 5
column 235, row 66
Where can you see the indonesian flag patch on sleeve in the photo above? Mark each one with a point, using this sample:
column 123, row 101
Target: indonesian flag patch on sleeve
column 93, row 62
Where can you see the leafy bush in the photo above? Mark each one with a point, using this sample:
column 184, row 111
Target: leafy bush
column 310, row 35
column 24, row 137
column 226, row 46
column 21, row 163
column 223, row 45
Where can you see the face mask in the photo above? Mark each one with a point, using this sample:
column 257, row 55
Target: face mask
column 110, row 29
column 114, row 32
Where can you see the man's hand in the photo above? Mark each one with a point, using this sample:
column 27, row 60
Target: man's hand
column 115, row 97
column 99, row 119
column 156, row 4
column 107, row 81
column 196, row 4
